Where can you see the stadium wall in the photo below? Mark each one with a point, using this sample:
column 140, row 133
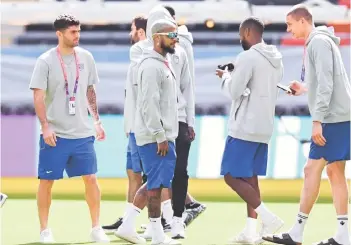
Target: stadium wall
column 20, row 140
column 287, row 155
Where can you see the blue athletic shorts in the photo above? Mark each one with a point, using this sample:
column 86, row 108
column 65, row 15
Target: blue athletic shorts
column 76, row 156
column 158, row 169
column 244, row 159
column 337, row 147
column 133, row 158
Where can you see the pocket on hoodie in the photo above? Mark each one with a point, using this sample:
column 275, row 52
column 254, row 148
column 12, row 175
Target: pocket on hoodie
column 258, row 119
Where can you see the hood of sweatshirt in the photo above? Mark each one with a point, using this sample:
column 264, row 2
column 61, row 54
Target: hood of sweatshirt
column 270, row 52
column 184, row 33
column 156, row 13
column 324, row 30
column 151, row 53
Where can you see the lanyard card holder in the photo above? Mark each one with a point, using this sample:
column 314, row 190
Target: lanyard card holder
column 72, row 106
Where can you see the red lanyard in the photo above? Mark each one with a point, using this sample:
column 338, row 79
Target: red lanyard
column 65, row 73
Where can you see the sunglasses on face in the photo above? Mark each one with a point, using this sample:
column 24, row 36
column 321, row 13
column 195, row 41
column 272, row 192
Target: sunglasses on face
column 172, row 35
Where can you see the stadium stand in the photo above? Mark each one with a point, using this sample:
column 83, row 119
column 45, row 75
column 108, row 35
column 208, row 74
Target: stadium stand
column 105, row 28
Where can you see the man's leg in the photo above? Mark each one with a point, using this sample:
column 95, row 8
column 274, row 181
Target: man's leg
column 310, row 191
column 44, row 202
column 83, row 163
column 338, row 183
column 180, row 181
column 93, row 197
column 52, row 162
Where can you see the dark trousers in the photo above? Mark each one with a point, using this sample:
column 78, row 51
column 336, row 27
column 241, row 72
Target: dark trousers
column 180, row 179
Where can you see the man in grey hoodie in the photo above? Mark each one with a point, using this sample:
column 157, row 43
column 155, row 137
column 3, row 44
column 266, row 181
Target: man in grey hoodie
column 329, row 97
column 252, row 87
column 156, row 121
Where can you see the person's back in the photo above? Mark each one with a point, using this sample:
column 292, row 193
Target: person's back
column 252, row 116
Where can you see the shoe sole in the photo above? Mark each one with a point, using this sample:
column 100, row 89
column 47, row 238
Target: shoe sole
column 201, row 212
column 125, row 238
column 177, row 237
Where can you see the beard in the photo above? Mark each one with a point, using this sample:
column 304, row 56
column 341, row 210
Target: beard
column 167, row 49
column 134, row 39
column 245, row 45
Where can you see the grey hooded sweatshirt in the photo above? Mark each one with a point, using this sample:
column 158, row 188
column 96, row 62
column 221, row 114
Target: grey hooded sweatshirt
column 135, row 54
column 156, row 118
column 257, row 70
column 329, row 91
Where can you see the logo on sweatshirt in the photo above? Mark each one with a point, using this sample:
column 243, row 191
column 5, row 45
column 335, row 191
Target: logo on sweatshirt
column 81, row 66
column 176, row 59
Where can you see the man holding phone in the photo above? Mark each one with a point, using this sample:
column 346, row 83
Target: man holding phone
column 329, row 97
column 252, row 86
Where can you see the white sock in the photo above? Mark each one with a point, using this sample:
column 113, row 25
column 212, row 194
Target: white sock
column 250, row 228
column 129, row 206
column 296, row 232
column 265, row 215
column 167, row 211
column 342, row 233
column 158, row 235
column 130, row 217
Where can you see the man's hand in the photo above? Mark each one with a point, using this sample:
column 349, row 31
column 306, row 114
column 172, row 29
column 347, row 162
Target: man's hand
column 49, row 136
column 162, row 148
column 298, row 87
column 220, row 72
column 317, row 135
column 100, row 132
column 191, row 133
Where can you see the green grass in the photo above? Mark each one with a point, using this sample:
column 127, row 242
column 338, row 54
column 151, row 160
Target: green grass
column 70, row 222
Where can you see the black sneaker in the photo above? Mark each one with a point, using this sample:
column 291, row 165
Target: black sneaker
column 3, row 198
column 113, row 226
column 193, row 212
column 166, row 227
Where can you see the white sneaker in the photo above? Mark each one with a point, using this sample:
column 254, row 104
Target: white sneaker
column 129, row 235
column 178, row 229
column 98, row 235
column 3, row 198
column 167, row 241
column 147, row 235
column 242, row 238
column 270, row 228
column 46, row 236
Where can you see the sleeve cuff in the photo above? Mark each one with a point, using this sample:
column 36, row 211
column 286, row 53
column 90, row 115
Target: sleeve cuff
column 161, row 137
column 318, row 117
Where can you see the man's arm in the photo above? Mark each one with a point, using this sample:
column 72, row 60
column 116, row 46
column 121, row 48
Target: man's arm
column 323, row 61
column 38, row 84
column 39, row 105
column 240, row 76
column 91, row 92
column 187, row 89
column 150, row 81
column 93, row 109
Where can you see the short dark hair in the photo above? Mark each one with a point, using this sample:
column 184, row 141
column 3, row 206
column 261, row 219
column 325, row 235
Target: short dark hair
column 253, row 23
column 64, row 21
column 140, row 22
column 170, row 10
column 301, row 11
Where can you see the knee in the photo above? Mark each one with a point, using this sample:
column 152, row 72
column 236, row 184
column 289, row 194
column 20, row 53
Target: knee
column 46, row 185
column 229, row 180
column 180, row 172
column 136, row 178
column 335, row 172
column 142, row 191
column 90, row 180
